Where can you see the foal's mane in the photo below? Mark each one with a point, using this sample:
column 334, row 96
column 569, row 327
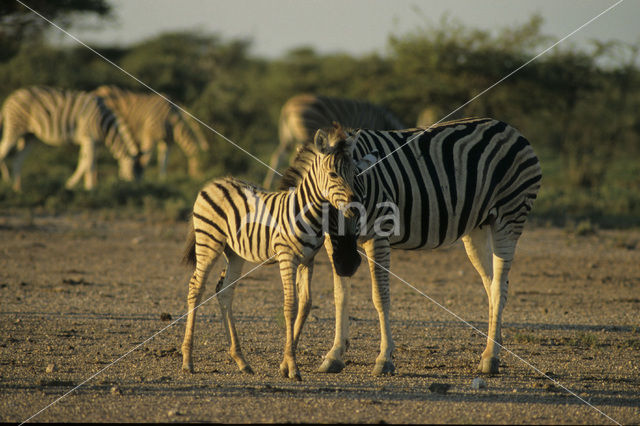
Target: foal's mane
column 307, row 153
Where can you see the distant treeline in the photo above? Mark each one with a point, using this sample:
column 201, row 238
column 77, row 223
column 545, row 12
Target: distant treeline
column 579, row 108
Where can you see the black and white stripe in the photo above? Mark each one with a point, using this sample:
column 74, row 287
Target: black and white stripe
column 250, row 224
column 157, row 124
column 469, row 179
column 58, row 117
column 302, row 115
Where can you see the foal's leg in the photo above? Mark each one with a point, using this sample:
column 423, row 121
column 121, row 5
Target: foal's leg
column 303, row 282
column 224, row 292
column 288, row 270
column 206, row 255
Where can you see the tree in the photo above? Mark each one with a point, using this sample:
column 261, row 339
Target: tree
column 18, row 24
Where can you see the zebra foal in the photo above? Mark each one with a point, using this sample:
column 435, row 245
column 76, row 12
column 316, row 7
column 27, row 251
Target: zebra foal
column 303, row 114
column 249, row 224
column 469, row 179
column 57, row 117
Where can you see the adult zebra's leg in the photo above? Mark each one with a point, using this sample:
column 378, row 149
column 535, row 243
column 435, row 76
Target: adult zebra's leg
column 289, row 367
column 163, row 159
column 206, row 256
column 378, row 255
column 303, row 283
column 4, row 171
column 91, row 173
column 333, row 362
column 503, row 245
column 23, row 148
column 224, row 291
column 86, row 165
column 478, row 246
column 11, row 140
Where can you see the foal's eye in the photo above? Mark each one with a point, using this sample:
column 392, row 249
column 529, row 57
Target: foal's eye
column 333, row 175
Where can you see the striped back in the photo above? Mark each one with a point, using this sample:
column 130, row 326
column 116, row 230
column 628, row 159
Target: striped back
column 450, row 179
column 154, row 119
column 302, row 115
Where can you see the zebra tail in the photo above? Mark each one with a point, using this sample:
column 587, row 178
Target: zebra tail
column 189, row 257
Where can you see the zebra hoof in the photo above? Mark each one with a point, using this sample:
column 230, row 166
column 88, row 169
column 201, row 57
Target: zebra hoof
column 293, row 374
column 331, row 366
column 284, row 369
column 384, row 368
column 187, row 368
column 489, row 366
column 246, row 370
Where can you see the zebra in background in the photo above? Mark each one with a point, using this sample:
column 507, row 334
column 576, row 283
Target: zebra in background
column 431, row 115
column 303, row 114
column 57, row 117
column 474, row 179
column 157, row 123
column 250, row 224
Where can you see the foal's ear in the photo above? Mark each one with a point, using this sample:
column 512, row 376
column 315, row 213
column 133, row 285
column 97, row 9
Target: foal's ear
column 321, row 140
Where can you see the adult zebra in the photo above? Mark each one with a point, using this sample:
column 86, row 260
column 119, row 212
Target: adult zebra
column 303, row 114
column 247, row 223
column 57, row 117
column 474, row 179
column 157, row 124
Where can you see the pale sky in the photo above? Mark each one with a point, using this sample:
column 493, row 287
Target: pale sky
column 356, row 27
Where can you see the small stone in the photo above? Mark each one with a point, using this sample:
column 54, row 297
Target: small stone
column 50, row 368
column 115, row 390
column 165, row 316
column 441, row 388
column 478, row 383
column 173, row 412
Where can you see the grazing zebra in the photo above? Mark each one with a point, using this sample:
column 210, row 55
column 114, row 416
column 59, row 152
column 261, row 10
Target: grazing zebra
column 57, row 117
column 474, row 179
column 302, row 115
column 157, row 123
column 249, row 224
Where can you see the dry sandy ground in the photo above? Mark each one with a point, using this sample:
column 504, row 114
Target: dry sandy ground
column 84, row 309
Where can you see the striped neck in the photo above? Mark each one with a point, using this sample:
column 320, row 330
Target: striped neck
column 305, row 205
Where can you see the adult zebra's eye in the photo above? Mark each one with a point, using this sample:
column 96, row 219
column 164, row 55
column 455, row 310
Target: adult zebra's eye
column 333, row 175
